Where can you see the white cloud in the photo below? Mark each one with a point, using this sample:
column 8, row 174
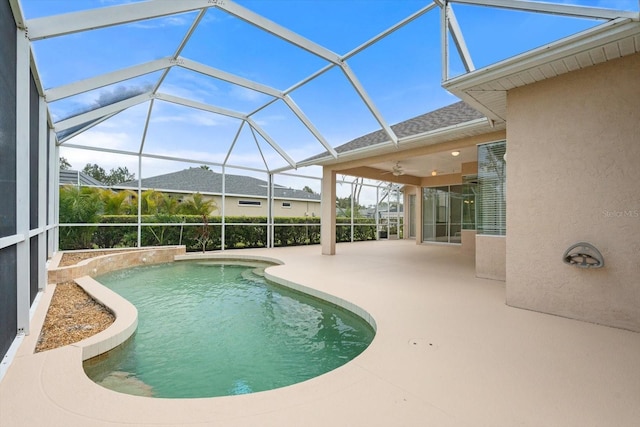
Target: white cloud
column 78, row 158
column 169, row 21
column 110, row 140
column 245, row 94
column 195, row 118
column 265, row 121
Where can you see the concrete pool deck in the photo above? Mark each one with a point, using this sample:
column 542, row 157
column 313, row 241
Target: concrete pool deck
column 448, row 352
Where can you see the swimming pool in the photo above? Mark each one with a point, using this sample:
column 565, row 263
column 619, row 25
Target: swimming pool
column 210, row 329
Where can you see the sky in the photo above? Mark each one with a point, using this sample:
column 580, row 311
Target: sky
column 401, row 74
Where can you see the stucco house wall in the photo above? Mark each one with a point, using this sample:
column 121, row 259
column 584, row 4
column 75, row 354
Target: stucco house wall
column 573, row 145
column 297, row 208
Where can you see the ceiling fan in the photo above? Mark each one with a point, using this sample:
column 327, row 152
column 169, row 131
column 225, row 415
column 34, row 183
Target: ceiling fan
column 396, row 170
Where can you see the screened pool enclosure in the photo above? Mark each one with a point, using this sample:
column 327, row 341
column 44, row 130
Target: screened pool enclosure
column 320, row 96
column 240, row 89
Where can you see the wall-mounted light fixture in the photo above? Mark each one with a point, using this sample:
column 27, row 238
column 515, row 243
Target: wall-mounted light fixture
column 455, row 153
column 434, row 173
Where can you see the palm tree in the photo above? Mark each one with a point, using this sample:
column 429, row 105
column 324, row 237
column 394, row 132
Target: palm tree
column 198, row 205
column 168, row 205
column 117, row 203
column 78, row 205
column 151, row 200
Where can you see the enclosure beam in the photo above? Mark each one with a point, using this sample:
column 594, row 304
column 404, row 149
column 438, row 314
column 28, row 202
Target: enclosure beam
column 255, row 139
column 458, row 39
column 199, row 106
column 369, row 102
column 69, row 23
column 190, row 31
column 227, row 77
column 444, row 43
column 309, row 125
column 554, row 8
column 278, row 31
column 233, row 143
column 388, row 31
column 85, row 128
column 271, row 142
column 99, row 113
column 81, row 86
column 159, row 157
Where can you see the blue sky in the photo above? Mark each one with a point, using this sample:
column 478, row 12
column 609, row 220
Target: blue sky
column 402, row 73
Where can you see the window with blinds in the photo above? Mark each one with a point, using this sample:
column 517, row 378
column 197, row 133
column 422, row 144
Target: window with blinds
column 492, row 189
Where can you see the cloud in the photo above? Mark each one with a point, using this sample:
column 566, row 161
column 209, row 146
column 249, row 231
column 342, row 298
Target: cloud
column 78, row 158
column 168, row 21
column 107, row 97
column 267, row 120
column 196, row 118
column 192, row 88
column 245, row 94
column 110, row 140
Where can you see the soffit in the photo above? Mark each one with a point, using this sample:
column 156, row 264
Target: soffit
column 486, row 89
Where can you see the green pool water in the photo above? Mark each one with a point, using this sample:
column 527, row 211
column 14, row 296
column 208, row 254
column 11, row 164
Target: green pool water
column 207, row 329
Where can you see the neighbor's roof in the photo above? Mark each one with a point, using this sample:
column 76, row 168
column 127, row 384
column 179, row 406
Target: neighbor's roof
column 205, row 181
column 444, row 117
column 78, row 178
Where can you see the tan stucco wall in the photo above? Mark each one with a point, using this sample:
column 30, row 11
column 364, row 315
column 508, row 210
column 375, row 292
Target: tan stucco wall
column 573, row 174
column 469, row 242
column 490, row 257
column 299, row 208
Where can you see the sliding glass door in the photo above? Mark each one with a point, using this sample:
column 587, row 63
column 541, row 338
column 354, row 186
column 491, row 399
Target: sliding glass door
column 447, row 211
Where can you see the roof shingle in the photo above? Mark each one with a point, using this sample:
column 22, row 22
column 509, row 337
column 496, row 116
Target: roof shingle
column 451, row 115
column 200, row 180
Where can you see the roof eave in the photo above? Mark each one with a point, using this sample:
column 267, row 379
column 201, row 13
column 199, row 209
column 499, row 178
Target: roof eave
column 420, row 139
column 595, row 37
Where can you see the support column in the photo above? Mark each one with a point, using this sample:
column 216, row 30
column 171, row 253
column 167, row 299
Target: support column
column 223, row 214
column 328, row 217
column 419, row 216
column 42, row 194
column 52, row 161
column 139, row 219
column 22, row 181
column 270, row 228
column 56, row 194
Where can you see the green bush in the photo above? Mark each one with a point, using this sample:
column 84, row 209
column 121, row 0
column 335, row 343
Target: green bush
column 240, row 232
column 364, row 229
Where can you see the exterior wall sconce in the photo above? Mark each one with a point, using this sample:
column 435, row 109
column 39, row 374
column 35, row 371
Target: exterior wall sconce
column 434, row 173
column 583, row 255
column 455, row 153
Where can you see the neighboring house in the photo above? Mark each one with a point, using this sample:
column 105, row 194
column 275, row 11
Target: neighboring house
column 244, row 195
column 78, row 178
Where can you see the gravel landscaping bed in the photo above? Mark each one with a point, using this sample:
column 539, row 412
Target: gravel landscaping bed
column 73, row 315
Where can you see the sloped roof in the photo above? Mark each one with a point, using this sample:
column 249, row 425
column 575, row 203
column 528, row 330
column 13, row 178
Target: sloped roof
column 78, row 178
column 444, row 117
column 201, row 180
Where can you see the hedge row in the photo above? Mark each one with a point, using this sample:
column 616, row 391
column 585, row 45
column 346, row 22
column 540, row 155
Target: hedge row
column 288, row 232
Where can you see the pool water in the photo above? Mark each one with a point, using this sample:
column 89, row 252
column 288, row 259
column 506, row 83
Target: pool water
column 207, row 329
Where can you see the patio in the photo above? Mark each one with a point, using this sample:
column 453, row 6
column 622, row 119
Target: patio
column 448, row 352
